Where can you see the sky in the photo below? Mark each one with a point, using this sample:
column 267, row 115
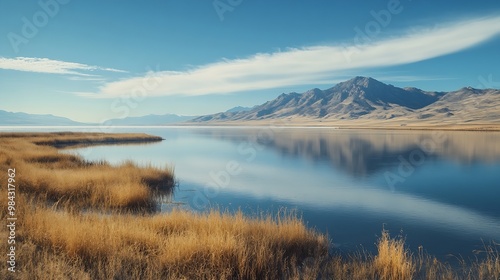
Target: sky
column 96, row 60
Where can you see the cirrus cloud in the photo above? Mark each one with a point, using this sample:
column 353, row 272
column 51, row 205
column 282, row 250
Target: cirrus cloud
column 50, row 66
column 310, row 65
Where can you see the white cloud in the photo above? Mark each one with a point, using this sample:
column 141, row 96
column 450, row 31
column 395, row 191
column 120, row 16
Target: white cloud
column 45, row 65
column 84, row 94
column 411, row 78
column 310, row 65
column 87, row 78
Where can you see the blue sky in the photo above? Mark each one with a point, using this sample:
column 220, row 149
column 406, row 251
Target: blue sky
column 95, row 60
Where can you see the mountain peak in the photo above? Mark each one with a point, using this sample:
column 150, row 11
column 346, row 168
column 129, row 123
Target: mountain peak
column 362, row 81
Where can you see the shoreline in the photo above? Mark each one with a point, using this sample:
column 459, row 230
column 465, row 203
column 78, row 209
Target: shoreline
column 343, row 125
column 287, row 123
column 69, row 139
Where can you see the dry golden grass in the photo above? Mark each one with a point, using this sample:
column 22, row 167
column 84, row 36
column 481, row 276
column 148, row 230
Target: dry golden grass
column 65, row 178
column 178, row 244
column 393, row 260
column 62, row 231
column 61, row 139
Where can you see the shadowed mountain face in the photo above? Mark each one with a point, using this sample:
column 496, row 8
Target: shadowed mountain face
column 365, row 98
column 361, row 90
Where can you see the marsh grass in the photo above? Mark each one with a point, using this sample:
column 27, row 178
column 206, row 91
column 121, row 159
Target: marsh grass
column 66, row 178
column 91, row 220
column 393, row 260
column 64, row 139
column 178, row 244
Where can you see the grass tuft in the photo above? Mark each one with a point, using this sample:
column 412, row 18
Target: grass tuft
column 393, row 260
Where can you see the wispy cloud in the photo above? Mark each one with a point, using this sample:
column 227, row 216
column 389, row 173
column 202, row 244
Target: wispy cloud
column 87, row 78
column 311, row 65
column 45, row 65
column 84, row 94
column 411, row 78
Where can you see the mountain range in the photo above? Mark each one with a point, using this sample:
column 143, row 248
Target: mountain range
column 24, row 119
column 366, row 99
column 358, row 101
column 150, row 120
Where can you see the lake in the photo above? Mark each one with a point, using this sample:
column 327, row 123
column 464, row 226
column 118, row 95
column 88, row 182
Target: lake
column 440, row 190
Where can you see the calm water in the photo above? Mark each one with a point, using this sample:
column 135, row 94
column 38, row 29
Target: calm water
column 441, row 190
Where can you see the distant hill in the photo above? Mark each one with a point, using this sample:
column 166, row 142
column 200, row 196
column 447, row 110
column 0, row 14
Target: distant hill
column 467, row 104
column 23, row 119
column 150, row 120
column 239, row 109
column 363, row 98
